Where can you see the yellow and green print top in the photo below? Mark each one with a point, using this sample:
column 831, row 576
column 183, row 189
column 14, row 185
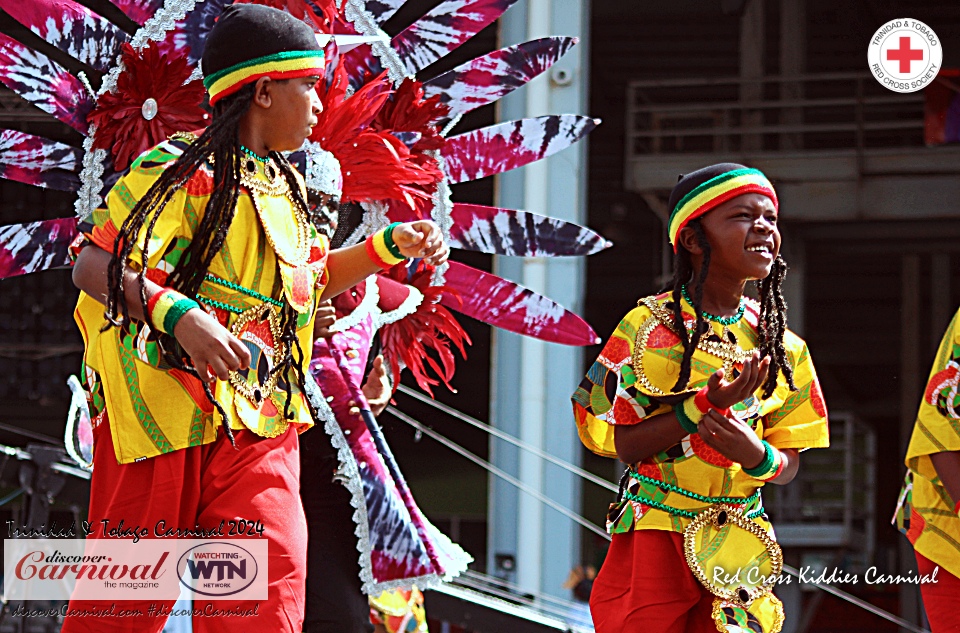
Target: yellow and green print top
column 271, row 257
column 632, row 380
column 925, row 512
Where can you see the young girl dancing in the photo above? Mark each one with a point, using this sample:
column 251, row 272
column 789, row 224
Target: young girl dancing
column 707, row 396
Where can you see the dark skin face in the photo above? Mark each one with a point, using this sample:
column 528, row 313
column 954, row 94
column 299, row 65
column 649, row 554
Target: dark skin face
column 281, row 116
column 744, row 241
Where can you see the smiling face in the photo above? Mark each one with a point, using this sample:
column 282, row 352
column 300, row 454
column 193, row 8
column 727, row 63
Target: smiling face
column 743, row 236
column 290, row 109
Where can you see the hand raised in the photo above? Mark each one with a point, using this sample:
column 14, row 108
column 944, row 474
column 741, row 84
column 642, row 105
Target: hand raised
column 376, row 388
column 326, row 316
column 724, row 394
column 421, row 239
column 210, row 346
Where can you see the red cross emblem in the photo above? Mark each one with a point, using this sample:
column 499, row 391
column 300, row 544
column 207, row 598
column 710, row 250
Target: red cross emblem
column 905, row 55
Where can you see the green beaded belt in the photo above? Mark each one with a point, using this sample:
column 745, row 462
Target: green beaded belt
column 234, row 286
column 668, row 487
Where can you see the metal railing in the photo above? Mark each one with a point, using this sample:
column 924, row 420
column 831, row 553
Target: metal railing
column 824, row 111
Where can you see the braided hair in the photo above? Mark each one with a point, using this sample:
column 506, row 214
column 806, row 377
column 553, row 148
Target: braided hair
column 772, row 322
column 218, row 146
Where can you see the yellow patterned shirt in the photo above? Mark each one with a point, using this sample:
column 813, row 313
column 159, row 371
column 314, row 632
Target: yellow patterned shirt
column 632, row 380
column 154, row 408
column 925, row 513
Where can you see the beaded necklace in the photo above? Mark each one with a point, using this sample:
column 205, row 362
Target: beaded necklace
column 730, row 320
column 241, row 289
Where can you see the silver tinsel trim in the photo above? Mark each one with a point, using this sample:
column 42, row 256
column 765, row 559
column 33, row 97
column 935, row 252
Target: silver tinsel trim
column 88, row 198
column 374, row 219
column 355, row 11
column 442, row 213
column 323, row 170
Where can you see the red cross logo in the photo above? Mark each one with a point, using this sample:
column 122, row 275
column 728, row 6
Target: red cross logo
column 905, row 55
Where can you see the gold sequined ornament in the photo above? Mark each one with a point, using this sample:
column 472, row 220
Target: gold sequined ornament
column 738, row 561
column 728, row 353
column 259, row 330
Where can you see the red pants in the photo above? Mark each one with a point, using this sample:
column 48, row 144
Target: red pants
column 645, row 585
column 205, row 485
column 941, row 600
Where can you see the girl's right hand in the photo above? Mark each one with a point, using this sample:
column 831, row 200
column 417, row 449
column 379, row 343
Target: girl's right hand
column 214, row 351
column 723, row 394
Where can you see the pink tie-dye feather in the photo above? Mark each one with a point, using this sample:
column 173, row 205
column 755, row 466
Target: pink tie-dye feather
column 505, row 304
column 489, row 78
column 382, row 10
column 44, row 83
column 499, row 148
column 500, row 231
column 71, row 27
column 443, row 29
column 35, row 246
column 37, row 161
column 138, row 10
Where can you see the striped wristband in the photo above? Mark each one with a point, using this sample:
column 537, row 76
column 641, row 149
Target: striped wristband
column 167, row 307
column 381, row 248
column 688, row 415
column 704, row 405
column 770, row 467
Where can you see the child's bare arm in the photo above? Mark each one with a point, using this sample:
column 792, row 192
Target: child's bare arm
column 636, row 442
column 213, row 350
column 947, row 466
column 348, row 266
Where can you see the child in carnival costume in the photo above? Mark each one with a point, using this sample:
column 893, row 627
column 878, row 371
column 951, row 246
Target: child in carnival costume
column 355, row 498
column 211, row 272
column 707, row 396
column 930, row 499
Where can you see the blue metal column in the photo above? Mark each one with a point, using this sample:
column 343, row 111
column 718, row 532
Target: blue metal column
column 532, row 381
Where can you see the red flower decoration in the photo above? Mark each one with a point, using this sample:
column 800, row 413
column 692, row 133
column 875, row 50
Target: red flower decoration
column 122, row 128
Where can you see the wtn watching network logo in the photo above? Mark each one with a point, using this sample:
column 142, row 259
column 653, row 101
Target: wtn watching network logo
column 217, row 569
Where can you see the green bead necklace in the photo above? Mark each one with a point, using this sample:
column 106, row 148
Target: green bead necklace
column 730, row 320
column 234, row 286
column 252, row 154
column 669, row 487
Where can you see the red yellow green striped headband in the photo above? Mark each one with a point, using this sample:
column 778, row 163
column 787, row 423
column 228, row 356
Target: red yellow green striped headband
column 715, row 192
column 285, row 65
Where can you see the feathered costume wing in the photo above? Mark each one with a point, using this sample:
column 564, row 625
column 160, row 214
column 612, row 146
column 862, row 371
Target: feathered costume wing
column 385, row 123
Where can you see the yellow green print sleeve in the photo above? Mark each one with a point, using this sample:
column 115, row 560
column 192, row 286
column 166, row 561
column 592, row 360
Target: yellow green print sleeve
column 632, row 380
column 925, row 512
column 270, row 257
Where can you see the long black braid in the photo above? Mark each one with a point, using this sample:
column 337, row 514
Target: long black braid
column 218, row 145
column 772, row 320
column 682, row 274
column 772, row 325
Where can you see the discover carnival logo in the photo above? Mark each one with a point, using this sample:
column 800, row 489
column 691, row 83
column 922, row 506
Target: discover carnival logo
column 905, row 55
column 122, row 569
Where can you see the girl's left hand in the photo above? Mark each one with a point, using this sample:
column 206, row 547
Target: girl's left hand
column 421, row 239
column 731, row 438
